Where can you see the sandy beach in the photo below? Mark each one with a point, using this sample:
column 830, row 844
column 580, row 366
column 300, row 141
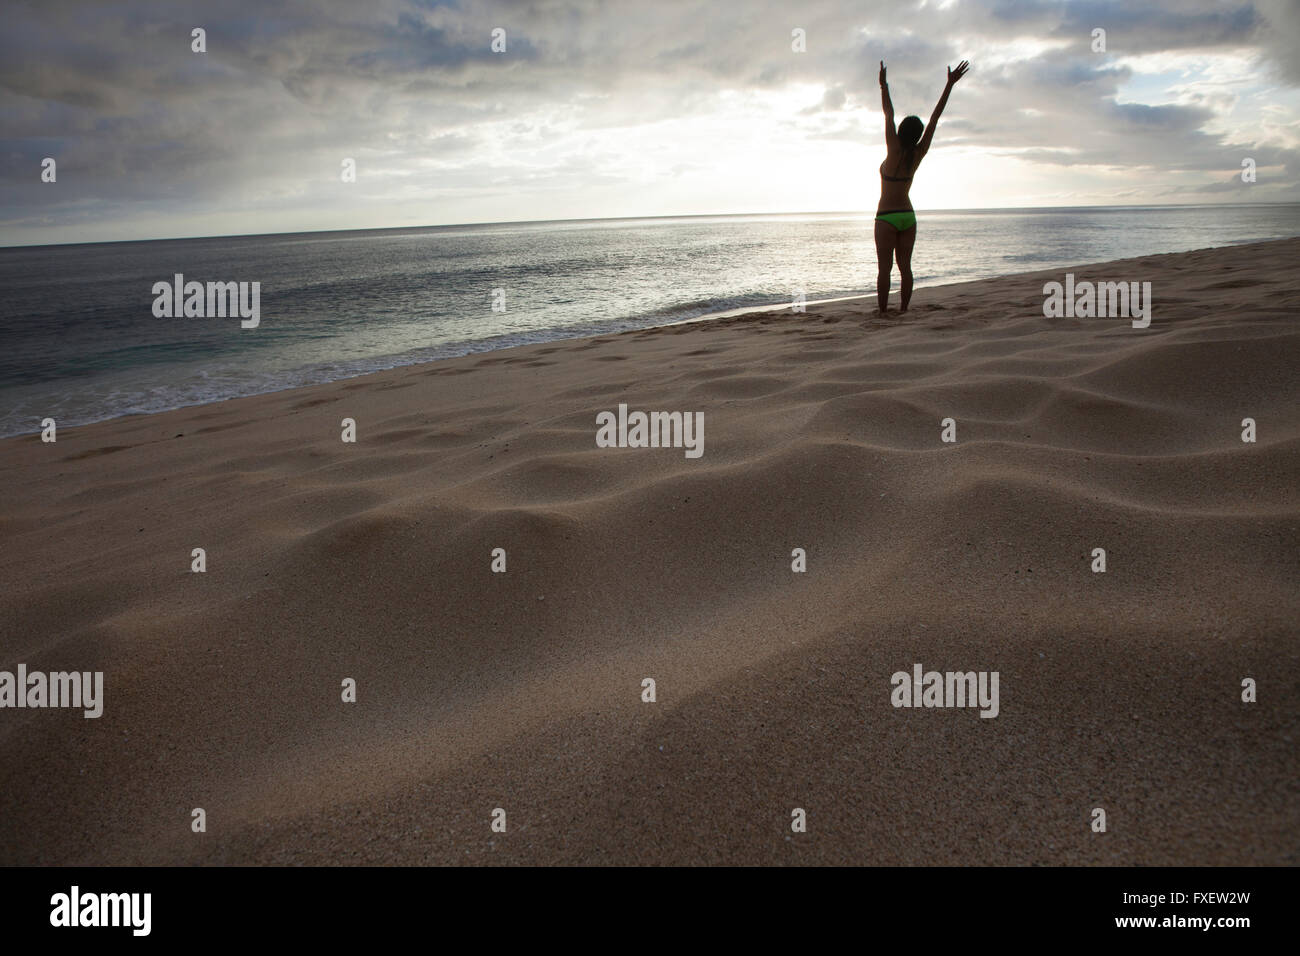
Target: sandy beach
column 523, row 690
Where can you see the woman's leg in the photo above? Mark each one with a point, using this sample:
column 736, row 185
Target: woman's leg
column 906, row 240
column 886, row 236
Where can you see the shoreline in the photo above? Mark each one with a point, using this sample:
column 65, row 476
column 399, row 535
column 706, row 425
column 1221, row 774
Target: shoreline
column 705, row 318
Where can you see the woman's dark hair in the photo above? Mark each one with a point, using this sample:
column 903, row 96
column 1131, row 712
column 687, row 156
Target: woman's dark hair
column 909, row 134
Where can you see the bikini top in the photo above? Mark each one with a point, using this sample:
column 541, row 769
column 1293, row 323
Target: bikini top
column 895, row 179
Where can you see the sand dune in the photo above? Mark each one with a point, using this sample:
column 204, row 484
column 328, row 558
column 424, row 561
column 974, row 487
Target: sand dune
column 522, row 690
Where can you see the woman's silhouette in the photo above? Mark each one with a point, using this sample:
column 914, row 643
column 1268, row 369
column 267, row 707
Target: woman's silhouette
column 895, row 220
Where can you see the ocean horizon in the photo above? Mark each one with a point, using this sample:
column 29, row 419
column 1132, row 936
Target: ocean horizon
column 81, row 342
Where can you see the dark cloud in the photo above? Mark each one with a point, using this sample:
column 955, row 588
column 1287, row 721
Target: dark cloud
column 141, row 125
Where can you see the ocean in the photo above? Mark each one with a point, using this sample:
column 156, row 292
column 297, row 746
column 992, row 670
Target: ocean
column 79, row 341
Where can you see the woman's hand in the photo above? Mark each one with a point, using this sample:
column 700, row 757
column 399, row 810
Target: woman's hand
column 953, row 75
column 882, row 72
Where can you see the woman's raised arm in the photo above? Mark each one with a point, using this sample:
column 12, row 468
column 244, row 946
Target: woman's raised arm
column 953, row 77
column 891, row 134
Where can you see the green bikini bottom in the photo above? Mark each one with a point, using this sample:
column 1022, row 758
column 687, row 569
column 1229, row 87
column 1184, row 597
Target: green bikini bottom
column 903, row 219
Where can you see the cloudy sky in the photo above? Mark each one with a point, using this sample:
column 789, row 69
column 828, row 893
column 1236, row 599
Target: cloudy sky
column 613, row 108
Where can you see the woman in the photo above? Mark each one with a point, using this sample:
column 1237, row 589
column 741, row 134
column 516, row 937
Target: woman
column 895, row 220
